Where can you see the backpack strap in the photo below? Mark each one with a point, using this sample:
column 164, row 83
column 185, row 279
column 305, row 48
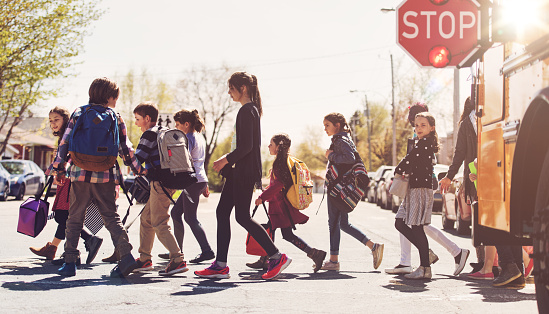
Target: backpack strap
column 123, row 186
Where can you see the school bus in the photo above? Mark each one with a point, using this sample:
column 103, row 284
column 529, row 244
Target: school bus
column 511, row 92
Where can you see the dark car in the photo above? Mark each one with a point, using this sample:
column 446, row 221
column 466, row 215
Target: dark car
column 26, row 178
column 4, row 183
column 455, row 208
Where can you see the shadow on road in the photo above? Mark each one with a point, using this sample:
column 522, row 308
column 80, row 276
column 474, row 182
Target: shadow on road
column 56, row 282
column 401, row 284
column 206, row 286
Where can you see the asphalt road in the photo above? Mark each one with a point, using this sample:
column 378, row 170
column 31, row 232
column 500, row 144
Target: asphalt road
column 30, row 284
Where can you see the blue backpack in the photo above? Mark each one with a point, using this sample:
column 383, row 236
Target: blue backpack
column 94, row 140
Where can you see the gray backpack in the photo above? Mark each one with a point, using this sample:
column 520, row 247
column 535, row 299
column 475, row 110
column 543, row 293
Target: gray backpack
column 177, row 171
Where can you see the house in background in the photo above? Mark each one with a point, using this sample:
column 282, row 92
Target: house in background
column 32, row 140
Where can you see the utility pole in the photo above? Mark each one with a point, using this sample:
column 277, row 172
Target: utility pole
column 393, row 114
column 368, row 125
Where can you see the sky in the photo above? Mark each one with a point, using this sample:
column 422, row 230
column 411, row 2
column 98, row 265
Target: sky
column 307, row 55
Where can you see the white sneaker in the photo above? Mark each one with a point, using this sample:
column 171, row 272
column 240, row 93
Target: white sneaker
column 462, row 261
column 399, row 269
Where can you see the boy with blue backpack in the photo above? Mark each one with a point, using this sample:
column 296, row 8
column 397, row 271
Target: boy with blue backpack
column 155, row 215
column 94, row 137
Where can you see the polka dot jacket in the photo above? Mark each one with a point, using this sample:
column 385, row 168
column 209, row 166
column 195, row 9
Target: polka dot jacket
column 419, row 164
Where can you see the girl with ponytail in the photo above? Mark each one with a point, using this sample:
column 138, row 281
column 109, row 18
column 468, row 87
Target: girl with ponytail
column 281, row 212
column 242, row 170
column 191, row 123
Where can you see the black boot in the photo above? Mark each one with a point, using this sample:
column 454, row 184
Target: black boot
column 509, row 273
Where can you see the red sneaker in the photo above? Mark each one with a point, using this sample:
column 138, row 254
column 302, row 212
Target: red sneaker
column 479, row 275
column 214, row 271
column 276, row 267
column 529, row 268
column 143, row 265
column 174, row 268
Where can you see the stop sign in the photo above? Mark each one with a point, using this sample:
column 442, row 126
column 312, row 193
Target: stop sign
column 446, row 30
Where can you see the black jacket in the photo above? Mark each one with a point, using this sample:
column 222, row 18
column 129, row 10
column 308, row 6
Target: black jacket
column 247, row 155
column 465, row 150
column 418, row 163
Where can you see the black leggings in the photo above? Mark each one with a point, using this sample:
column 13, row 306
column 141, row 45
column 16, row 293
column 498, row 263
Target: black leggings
column 61, row 217
column 416, row 235
column 238, row 194
column 288, row 235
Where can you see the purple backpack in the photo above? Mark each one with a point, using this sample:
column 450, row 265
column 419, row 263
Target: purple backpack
column 33, row 213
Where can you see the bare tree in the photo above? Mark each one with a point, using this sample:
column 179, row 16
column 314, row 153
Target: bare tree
column 205, row 89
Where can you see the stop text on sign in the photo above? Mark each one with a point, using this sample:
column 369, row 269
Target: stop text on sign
column 446, row 22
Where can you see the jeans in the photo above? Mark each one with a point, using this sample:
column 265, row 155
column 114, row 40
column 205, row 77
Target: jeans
column 339, row 220
column 81, row 195
column 184, row 207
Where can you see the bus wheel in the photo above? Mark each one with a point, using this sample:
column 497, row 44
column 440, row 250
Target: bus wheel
column 541, row 240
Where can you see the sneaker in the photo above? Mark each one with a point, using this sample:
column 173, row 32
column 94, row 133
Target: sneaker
column 276, row 266
column 204, row 256
column 92, row 246
column 420, row 273
column 68, row 270
column 518, row 283
column 481, row 276
column 462, row 261
column 329, row 265
column 399, row 269
column 164, row 255
column 47, row 251
column 143, row 265
column 377, row 253
column 174, row 268
column 528, row 270
column 509, row 273
column 433, row 258
column 214, row 271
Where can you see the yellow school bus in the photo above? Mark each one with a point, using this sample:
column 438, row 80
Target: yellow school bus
column 511, row 92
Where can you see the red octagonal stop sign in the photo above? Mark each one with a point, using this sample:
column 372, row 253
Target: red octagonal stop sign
column 427, row 26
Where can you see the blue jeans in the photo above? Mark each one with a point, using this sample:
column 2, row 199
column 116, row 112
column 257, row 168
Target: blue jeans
column 339, row 220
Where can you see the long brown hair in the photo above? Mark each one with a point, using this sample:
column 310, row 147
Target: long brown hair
column 336, row 117
column 467, row 108
column 192, row 117
column 280, row 164
column 239, row 79
column 431, row 119
column 64, row 113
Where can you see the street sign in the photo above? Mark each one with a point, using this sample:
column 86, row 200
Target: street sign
column 438, row 33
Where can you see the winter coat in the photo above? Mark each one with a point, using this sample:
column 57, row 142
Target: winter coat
column 418, row 163
column 279, row 206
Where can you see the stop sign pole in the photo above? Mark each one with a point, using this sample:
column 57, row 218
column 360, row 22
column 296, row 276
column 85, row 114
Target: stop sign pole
column 438, row 33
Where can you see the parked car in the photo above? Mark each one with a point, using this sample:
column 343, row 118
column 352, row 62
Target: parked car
column 372, row 186
column 390, row 202
column 440, row 172
column 380, row 184
column 26, row 178
column 455, row 208
column 4, row 183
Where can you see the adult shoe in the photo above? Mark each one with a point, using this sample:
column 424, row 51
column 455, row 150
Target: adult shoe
column 204, row 256
column 276, row 266
column 420, row 273
column 174, row 268
column 399, row 270
column 61, row 261
column 462, row 261
column 126, row 265
column 114, row 258
column 509, row 273
column 68, row 270
column 47, row 251
column 214, row 271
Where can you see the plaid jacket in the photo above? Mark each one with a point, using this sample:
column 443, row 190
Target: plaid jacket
column 78, row 174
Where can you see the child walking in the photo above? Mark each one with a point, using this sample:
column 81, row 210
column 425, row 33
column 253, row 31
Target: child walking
column 415, row 211
column 192, row 124
column 342, row 154
column 281, row 212
column 242, row 170
column 97, row 186
column 154, row 217
column 59, row 118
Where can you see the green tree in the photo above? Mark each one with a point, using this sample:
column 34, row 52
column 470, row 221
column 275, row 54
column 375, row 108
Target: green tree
column 39, row 41
column 310, row 151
